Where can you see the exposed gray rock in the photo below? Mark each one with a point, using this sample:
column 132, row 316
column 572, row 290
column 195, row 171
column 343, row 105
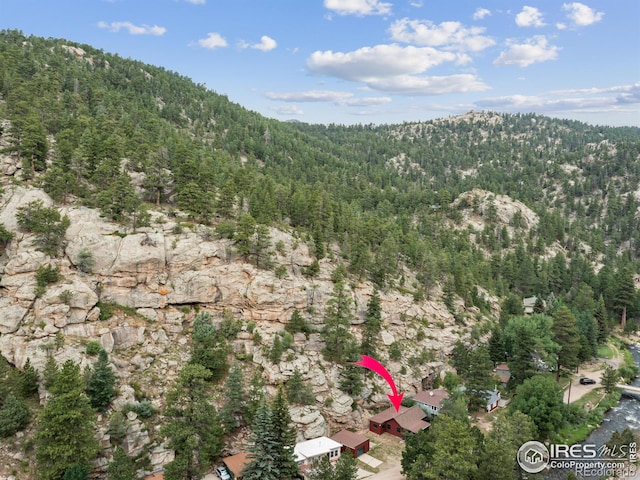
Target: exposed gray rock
column 11, row 314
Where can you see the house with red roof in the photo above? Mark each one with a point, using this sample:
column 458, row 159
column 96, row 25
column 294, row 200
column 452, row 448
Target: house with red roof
column 431, row 400
column 354, row 442
column 398, row 423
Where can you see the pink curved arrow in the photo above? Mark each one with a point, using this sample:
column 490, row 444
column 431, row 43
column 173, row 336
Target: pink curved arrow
column 376, row 366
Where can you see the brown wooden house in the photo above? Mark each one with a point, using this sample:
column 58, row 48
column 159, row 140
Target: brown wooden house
column 354, row 442
column 406, row 420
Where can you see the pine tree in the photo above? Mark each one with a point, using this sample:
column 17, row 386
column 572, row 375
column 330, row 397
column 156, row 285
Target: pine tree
column 28, row 380
column 14, row 415
column 264, row 449
column 322, row 470
column 337, row 322
column 65, row 435
column 297, row 390
column 235, row 398
column 49, row 373
column 76, row 472
column 346, row 468
column 372, row 325
column 122, row 467
column 479, row 379
column 600, row 315
column 193, row 427
column 566, row 335
column 460, row 358
column 285, row 436
column 624, row 295
column 496, row 346
column 255, row 395
column 101, row 383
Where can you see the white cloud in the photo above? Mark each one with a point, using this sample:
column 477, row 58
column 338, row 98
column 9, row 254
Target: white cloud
column 330, row 96
column 196, row 2
column 378, row 61
column 213, row 40
column 610, row 99
column 423, row 85
column 581, row 15
column 393, row 68
column 529, row 17
column 358, row 7
column 480, row 13
column 288, row 110
column 416, row 4
column 535, row 50
column 266, row 44
column 133, row 29
column 450, row 35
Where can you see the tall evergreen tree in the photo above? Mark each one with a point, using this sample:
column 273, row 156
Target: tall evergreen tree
column 285, row 436
column 122, row 467
column 566, row 335
column 264, row 449
column 101, row 383
column 28, row 380
column 479, row 379
column 193, row 427
column 235, row 398
column 600, row 315
column 624, row 295
column 372, row 325
column 346, row 468
column 337, row 322
column 65, row 435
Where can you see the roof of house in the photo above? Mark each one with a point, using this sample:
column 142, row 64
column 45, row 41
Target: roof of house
column 155, row 476
column 412, row 419
column 387, row 414
column 493, row 397
column 433, row 398
column 315, row 447
column 349, row 439
column 236, row 463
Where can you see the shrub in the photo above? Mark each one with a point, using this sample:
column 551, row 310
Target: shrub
column 84, row 263
column 93, row 347
column 66, row 296
column 46, row 275
column 281, row 271
column 5, row 236
column 143, row 409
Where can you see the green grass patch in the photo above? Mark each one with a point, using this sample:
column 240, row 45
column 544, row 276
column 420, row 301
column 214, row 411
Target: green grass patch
column 573, row 433
column 594, row 396
column 605, row 351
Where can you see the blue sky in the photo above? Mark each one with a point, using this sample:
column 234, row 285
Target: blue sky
column 373, row 61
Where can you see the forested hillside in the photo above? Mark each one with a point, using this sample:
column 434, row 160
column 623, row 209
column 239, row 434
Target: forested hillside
column 475, row 211
column 382, row 194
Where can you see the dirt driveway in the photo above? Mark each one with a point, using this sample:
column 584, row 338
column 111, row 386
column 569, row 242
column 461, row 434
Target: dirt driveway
column 591, row 370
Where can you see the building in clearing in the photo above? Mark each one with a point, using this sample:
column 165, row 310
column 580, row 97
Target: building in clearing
column 406, row 420
column 354, row 442
column 310, row 451
column 430, row 401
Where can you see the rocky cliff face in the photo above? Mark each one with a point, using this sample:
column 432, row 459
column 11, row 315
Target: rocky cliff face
column 156, row 276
